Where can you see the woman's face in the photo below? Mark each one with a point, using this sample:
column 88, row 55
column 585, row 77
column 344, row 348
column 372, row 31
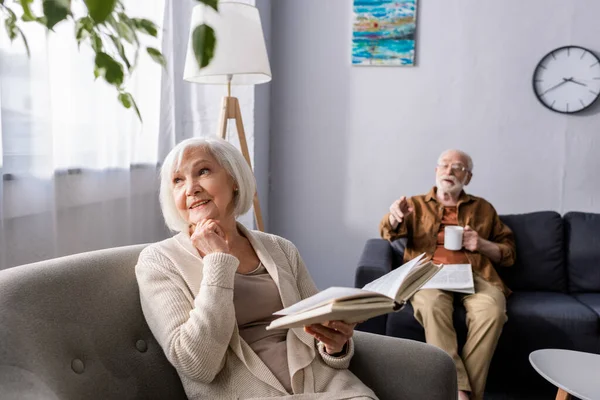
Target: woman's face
column 202, row 188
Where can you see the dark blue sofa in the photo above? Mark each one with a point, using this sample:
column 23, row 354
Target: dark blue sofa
column 555, row 301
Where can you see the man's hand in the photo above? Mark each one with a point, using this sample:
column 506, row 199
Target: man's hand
column 208, row 237
column 398, row 211
column 471, row 239
column 333, row 334
column 473, row 242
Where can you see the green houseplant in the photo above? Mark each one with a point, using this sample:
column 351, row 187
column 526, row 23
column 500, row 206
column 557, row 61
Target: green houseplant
column 107, row 28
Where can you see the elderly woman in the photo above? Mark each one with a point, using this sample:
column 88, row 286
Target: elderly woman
column 209, row 292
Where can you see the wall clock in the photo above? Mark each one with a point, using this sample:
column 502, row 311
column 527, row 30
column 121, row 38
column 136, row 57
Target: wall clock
column 567, row 80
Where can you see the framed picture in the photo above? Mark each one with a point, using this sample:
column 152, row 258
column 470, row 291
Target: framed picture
column 383, row 32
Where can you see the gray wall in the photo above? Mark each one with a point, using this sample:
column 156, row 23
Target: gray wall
column 347, row 141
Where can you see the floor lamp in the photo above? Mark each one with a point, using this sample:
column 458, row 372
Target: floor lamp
column 240, row 58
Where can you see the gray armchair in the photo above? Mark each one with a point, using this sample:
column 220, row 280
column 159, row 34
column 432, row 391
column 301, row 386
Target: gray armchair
column 72, row 328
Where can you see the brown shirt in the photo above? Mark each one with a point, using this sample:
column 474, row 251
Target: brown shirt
column 422, row 226
column 442, row 255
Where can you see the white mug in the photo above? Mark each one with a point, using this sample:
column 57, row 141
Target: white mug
column 453, row 236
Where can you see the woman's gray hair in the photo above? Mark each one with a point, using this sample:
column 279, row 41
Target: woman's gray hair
column 464, row 155
column 227, row 156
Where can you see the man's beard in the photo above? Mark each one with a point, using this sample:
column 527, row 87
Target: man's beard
column 446, row 187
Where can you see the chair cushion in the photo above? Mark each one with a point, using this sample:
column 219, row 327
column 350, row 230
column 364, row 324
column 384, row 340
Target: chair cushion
column 540, row 252
column 583, row 251
column 73, row 328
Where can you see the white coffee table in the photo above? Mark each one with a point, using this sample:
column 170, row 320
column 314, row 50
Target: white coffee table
column 573, row 372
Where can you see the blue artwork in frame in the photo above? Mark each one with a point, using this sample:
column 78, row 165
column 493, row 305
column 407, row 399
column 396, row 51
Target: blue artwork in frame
column 383, row 32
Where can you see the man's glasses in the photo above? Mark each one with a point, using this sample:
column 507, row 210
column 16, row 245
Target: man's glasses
column 453, row 167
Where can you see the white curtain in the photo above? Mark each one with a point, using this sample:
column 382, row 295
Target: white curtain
column 80, row 171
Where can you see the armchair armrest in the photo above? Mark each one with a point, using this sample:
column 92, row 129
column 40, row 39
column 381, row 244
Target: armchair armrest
column 376, row 260
column 403, row 369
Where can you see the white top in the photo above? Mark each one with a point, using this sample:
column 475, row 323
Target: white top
column 188, row 304
column 575, row 372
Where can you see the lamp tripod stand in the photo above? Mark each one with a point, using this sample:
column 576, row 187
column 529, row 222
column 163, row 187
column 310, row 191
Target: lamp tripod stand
column 230, row 109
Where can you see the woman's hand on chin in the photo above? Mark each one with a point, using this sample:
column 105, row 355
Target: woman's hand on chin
column 208, row 237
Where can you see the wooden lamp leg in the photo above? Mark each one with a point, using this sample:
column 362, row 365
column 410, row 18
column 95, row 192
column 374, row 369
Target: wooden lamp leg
column 230, row 109
column 562, row 395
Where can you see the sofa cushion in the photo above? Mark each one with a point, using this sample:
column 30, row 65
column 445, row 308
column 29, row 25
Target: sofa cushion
column 404, row 325
column 540, row 252
column 591, row 300
column 536, row 320
column 557, row 320
column 583, row 251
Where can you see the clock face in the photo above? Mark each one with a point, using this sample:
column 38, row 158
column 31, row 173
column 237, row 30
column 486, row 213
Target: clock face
column 567, row 80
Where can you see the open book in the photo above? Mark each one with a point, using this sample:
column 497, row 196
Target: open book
column 386, row 294
column 454, row 278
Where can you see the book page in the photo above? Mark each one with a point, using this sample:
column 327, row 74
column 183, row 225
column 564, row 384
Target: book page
column 330, row 295
column 412, row 284
column 349, row 313
column 453, row 277
column 390, row 283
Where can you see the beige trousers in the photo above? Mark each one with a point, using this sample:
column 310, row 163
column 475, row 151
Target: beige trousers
column 486, row 315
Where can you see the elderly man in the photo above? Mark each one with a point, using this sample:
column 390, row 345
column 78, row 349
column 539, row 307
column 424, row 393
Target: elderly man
column 486, row 242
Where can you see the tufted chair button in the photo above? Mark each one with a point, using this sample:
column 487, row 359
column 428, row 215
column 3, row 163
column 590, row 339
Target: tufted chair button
column 77, row 366
column 141, row 346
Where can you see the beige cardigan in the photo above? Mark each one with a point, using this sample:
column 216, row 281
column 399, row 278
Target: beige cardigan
column 188, row 304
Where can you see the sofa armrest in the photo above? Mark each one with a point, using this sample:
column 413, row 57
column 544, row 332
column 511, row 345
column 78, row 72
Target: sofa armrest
column 376, row 260
column 403, row 369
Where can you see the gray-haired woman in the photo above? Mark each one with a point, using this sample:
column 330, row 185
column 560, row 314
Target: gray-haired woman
column 209, row 291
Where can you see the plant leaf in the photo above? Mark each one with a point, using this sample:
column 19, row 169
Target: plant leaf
column 83, row 28
column 27, row 13
column 203, row 43
column 24, row 41
column 121, row 51
column 100, row 9
column 56, row 11
column 137, row 110
column 127, row 29
column 96, row 42
column 124, row 27
column 145, row 26
column 108, row 68
column 127, row 100
column 11, row 13
column 211, row 3
column 11, row 29
column 157, row 56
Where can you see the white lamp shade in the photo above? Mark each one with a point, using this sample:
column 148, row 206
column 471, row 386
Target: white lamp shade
column 240, row 51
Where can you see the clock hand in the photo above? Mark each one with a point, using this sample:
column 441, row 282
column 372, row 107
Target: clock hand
column 565, row 80
column 578, row 83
